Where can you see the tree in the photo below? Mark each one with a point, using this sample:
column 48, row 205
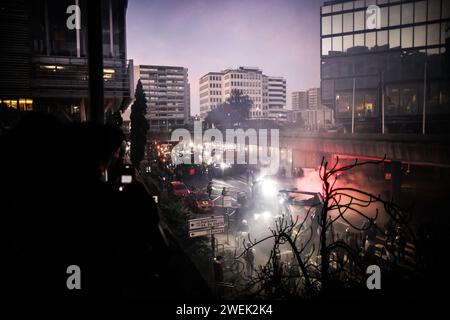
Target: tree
column 234, row 110
column 139, row 125
column 340, row 261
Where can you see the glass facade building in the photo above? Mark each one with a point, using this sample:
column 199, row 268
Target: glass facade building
column 387, row 61
column 44, row 62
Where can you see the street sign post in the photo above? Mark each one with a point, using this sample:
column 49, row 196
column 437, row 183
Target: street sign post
column 206, row 223
column 205, row 232
column 206, row 227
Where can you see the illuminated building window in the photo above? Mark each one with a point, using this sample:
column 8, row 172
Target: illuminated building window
column 10, row 103
column 25, row 104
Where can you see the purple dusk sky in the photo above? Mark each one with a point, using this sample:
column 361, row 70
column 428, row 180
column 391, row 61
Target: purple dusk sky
column 281, row 37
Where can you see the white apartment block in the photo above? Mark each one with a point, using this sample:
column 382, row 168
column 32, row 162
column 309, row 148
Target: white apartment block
column 276, row 98
column 265, row 92
column 314, row 101
column 167, row 91
column 299, row 100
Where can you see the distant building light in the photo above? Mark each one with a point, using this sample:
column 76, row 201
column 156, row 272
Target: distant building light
column 52, row 67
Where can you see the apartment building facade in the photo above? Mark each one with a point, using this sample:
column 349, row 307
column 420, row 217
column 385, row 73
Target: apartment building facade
column 167, row 91
column 299, row 100
column 268, row 94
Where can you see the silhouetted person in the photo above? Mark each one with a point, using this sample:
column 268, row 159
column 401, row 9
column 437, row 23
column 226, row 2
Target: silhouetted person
column 218, row 269
column 249, row 257
column 209, row 188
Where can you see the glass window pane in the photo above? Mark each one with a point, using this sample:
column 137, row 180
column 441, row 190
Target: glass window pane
column 359, row 4
column 337, row 44
column 394, row 38
column 394, row 16
column 337, row 23
column 326, row 25
column 326, row 46
column 344, row 102
column 359, row 40
column 384, row 17
column 348, row 5
column 382, row 38
column 348, row 22
column 445, row 9
column 407, row 37
column 370, row 39
column 434, row 9
column 348, row 42
column 407, row 13
column 382, row 1
column 445, row 32
column 433, row 34
column 420, row 11
column 359, row 20
column 408, row 100
column 419, row 36
column 337, row 7
column 326, row 9
column 370, row 104
column 371, row 2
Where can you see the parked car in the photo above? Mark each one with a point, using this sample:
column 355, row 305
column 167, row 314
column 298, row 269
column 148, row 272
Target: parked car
column 200, row 202
column 178, row 189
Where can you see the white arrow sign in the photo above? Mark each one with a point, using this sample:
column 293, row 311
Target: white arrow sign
column 205, row 223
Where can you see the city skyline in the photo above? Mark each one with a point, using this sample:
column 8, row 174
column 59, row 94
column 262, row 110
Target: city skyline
column 183, row 29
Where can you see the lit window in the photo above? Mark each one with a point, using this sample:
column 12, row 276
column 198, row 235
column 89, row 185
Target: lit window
column 359, row 4
column 359, row 20
column 394, row 15
column 337, row 44
column 434, row 9
column 348, row 22
column 384, row 17
column 419, row 36
column 382, row 38
column 10, row 103
column 348, row 42
column 359, row 40
column 420, row 11
column 407, row 37
column 326, row 9
column 394, row 38
column 326, row 25
column 337, row 23
column 370, row 39
column 407, row 13
column 433, row 34
column 348, row 5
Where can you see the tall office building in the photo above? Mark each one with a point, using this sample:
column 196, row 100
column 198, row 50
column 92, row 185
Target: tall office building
column 268, row 94
column 387, row 68
column 43, row 63
column 299, row 100
column 167, row 91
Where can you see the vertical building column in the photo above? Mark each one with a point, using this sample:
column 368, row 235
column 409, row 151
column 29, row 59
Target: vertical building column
column 95, row 61
column 111, row 30
column 47, row 31
column 77, row 32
